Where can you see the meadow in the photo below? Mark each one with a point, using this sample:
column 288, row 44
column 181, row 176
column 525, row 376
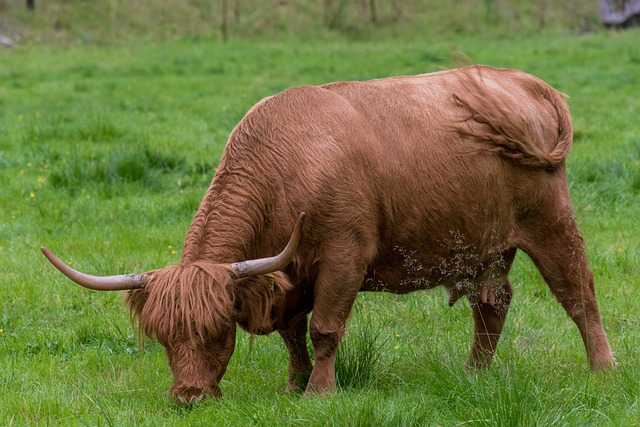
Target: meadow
column 106, row 151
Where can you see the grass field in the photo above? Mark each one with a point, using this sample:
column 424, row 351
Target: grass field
column 105, row 153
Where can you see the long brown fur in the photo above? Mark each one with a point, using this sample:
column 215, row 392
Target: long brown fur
column 198, row 300
column 184, row 301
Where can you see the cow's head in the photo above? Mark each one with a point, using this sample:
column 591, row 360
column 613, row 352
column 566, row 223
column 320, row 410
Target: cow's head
column 192, row 310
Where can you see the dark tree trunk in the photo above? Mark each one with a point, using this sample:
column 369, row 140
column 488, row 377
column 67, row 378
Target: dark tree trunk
column 225, row 21
column 31, row 4
column 374, row 12
column 236, row 12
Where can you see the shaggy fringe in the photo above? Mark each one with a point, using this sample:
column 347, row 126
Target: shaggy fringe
column 194, row 302
column 511, row 134
column 200, row 301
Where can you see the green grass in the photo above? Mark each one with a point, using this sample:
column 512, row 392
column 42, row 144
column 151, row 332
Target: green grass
column 105, row 153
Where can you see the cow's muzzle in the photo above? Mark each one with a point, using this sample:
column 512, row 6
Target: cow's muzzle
column 188, row 396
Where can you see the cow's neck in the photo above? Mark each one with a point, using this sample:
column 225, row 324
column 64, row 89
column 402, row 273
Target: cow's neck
column 236, row 222
column 226, row 227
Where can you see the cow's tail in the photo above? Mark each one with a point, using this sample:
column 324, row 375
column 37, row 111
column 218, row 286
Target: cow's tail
column 507, row 129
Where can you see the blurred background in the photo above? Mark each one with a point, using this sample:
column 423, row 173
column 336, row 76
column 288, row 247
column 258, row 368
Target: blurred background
column 111, row 21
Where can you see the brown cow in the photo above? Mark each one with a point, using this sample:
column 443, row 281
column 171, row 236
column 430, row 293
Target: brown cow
column 408, row 183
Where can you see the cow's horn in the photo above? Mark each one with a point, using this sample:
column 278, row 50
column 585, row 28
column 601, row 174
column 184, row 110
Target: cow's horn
column 275, row 263
column 98, row 283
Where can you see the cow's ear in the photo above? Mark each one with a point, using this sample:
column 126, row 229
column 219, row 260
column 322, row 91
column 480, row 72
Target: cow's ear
column 136, row 298
column 258, row 299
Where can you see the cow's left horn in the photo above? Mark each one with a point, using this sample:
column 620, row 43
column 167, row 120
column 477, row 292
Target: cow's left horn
column 255, row 267
column 98, row 283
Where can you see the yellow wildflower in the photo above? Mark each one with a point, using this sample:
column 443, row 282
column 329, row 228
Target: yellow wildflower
column 32, row 195
column 173, row 252
column 40, row 180
column 397, row 347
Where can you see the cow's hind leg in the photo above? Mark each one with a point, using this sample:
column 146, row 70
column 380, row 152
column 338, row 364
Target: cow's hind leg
column 557, row 248
column 300, row 366
column 490, row 308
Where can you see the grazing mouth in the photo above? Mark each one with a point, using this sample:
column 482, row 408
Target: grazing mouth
column 188, row 396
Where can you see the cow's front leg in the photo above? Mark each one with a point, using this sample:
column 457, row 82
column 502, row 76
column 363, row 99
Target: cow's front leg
column 295, row 338
column 335, row 292
column 489, row 314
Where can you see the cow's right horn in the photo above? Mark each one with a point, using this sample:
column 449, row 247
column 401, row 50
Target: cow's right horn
column 255, row 267
column 98, row 283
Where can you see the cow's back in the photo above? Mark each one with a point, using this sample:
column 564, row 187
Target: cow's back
column 380, row 166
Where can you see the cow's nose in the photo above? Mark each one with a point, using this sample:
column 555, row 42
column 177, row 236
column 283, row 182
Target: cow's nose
column 189, row 396
column 185, row 395
column 192, row 400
